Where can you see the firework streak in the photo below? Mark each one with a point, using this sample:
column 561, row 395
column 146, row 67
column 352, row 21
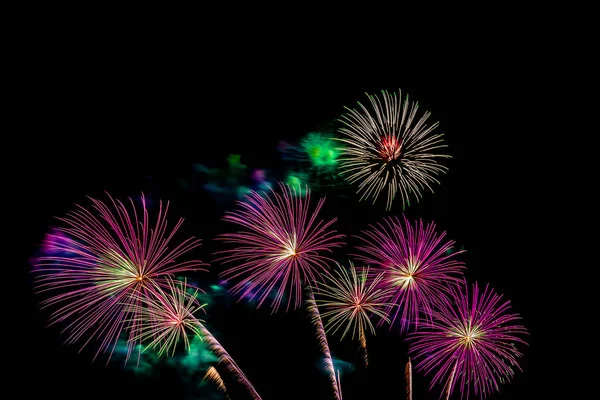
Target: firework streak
column 408, row 377
column 105, row 263
column 224, row 357
column 281, row 247
column 213, row 376
column 470, row 343
column 313, row 311
column 386, row 152
column 419, row 266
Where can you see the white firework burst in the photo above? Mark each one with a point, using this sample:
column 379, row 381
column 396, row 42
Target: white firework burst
column 389, row 150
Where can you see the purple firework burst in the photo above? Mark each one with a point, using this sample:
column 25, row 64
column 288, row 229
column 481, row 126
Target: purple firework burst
column 102, row 264
column 280, row 246
column 470, row 343
column 418, row 263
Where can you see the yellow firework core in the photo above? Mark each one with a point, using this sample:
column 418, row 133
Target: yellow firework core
column 405, row 274
column 468, row 335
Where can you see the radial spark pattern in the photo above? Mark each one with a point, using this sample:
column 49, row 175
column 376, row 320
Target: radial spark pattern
column 349, row 300
column 281, row 246
column 470, row 344
column 418, row 266
column 389, row 150
column 168, row 318
column 102, row 263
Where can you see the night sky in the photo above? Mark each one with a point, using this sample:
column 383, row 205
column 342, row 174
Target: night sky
column 128, row 121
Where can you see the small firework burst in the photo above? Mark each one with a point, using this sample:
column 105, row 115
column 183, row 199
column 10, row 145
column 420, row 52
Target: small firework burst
column 281, row 247
column 470, row 342
column 102, row 264
column 350, row 300
column 418, row 266
column 388, row 150
column 168, row 318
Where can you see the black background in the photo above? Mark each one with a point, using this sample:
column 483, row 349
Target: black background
column 132, row 118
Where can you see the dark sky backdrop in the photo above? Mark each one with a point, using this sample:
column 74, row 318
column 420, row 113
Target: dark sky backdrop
column 127, row 120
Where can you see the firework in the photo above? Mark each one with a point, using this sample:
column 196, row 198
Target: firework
column 386, row 151
column 408, row 378
column 470, row 343
column 313, row 311
column 103, row 263
column 349, row 300
column 418, row 263
column 281, row 246
column 168, row 318
column 213, row 376
column 225, row 358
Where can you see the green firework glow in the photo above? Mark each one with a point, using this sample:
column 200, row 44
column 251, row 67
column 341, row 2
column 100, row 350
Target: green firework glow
column 322, row 150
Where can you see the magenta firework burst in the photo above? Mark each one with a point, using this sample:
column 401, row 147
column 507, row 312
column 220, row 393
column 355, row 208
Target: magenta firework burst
column 281, row 246
column 417, row 262
column 390, row 150
column 471, row 342
column 102, row 264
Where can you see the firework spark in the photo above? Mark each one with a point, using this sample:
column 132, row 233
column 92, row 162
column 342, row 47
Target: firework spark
column 470, row 343
column 213, row 376
column 349, row 300
column 105, row 261
column 417, row 262
column 313, row 311
column 386, row 151
column 281, row 246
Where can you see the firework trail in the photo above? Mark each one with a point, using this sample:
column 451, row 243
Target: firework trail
column 418, row 264
column 349, row 299
column 385, row 151
column 225, row 358
column 280, row 247
column 106, row 261
column 313, row 311
column 339, row 384
column 408, row 376
column 470, row 343
column 213, row 376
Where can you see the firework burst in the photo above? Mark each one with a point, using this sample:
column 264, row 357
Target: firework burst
column 418, row 264
column 470, row 343
column 104, row 262
column 168, row 318
column 350, row 300
column 280, row 247
column 388, row 150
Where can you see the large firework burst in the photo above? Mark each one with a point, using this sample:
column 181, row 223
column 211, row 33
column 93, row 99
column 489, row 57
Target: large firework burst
column 418, row 264
column 470, row 343
column 389, row 150
column 281, row 246
column 350, row 300
column 104, row 262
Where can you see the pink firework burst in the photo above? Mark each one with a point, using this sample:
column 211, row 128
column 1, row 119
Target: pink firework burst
column 418, row 263
column 102, row 264
column 471, row 342
column 281, row 246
